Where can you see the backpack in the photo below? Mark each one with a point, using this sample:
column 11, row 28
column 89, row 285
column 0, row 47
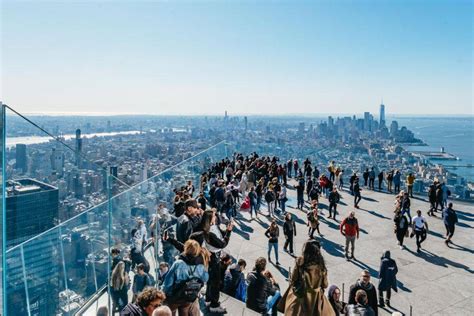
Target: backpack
column 241, row 291
column 269, row 197
column 187, row 291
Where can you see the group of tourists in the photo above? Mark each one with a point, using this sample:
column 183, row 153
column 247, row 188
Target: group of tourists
column 193, row 235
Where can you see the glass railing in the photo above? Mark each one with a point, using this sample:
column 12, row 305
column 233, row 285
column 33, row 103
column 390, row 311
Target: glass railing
column 58, row 268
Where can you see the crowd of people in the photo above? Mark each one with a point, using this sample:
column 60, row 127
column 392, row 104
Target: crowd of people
column 193, row 235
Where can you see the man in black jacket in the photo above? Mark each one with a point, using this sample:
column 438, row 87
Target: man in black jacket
column 289, row 230
column 185, row 225
column 333, row 200
column 259, row 287
column 364, row 284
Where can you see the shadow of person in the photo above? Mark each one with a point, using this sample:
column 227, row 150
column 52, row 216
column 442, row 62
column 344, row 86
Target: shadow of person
column 440, row 261
column 460, row 248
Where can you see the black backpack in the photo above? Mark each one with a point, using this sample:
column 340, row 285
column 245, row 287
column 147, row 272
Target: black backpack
column 187, row 291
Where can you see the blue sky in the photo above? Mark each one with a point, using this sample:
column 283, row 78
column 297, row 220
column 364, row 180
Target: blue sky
column 202, row 57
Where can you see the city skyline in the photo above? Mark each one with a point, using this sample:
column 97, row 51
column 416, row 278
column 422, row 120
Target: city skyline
column 248, row 58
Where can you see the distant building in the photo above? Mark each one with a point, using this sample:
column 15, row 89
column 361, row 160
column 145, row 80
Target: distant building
column 367, row 121
column 78, row 151
column 330, row 122
column 31, row 208
column 394, row 129
column 301, row 128
column 382, row 115
column 21, row 158
column 246, row 123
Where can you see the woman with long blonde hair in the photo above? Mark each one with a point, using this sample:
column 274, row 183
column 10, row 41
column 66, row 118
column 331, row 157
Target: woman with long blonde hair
column 119, row 286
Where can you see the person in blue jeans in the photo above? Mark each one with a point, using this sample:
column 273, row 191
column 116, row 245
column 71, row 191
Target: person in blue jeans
column 272, row 234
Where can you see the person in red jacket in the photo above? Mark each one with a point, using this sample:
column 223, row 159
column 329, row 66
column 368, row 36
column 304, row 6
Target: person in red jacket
column 350, row 229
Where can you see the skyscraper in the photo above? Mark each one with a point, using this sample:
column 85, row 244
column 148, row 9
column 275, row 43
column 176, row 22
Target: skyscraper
column 246, row 123
column 382, row 114
column 78, row 151
column 21, row 159
column 367, row 123
column 31, row 208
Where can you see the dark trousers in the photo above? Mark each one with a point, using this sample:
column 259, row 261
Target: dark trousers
column 289, row 242
column 312, row 230
column 410, row 190
column 397, row 188
column 400, row 236
column 357, row 199
column 420, row 237
column 212, row 290
column 371, row 183
column 331, row 207
column 449, row 230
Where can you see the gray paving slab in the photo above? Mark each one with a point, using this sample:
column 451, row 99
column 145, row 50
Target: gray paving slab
column 438, row 281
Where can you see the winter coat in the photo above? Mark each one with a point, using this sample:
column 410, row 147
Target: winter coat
column 258, row 290
column 289, row 228
column 371, row 295
column 316, row 278
column 179, row 272
column 388, row 273
column 334, row 197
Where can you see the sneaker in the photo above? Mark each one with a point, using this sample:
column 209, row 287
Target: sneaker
column 277, row 263
column 218, row 310
column 381, row 304
column 387, row 302
column 347, row 257
column 401, row 247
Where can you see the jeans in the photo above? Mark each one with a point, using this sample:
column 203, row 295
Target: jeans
column 371, row 183
column 333, row 206
column 300, row 201
column 273, row 245
column 271, row 301
column 397, row 187
column 407, row 211
column 271, row 208
column 282, row 205
column 253, row 209
column 350, row 240
column 259, row 203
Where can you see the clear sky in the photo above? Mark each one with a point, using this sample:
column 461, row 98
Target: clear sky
column 258, row 57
